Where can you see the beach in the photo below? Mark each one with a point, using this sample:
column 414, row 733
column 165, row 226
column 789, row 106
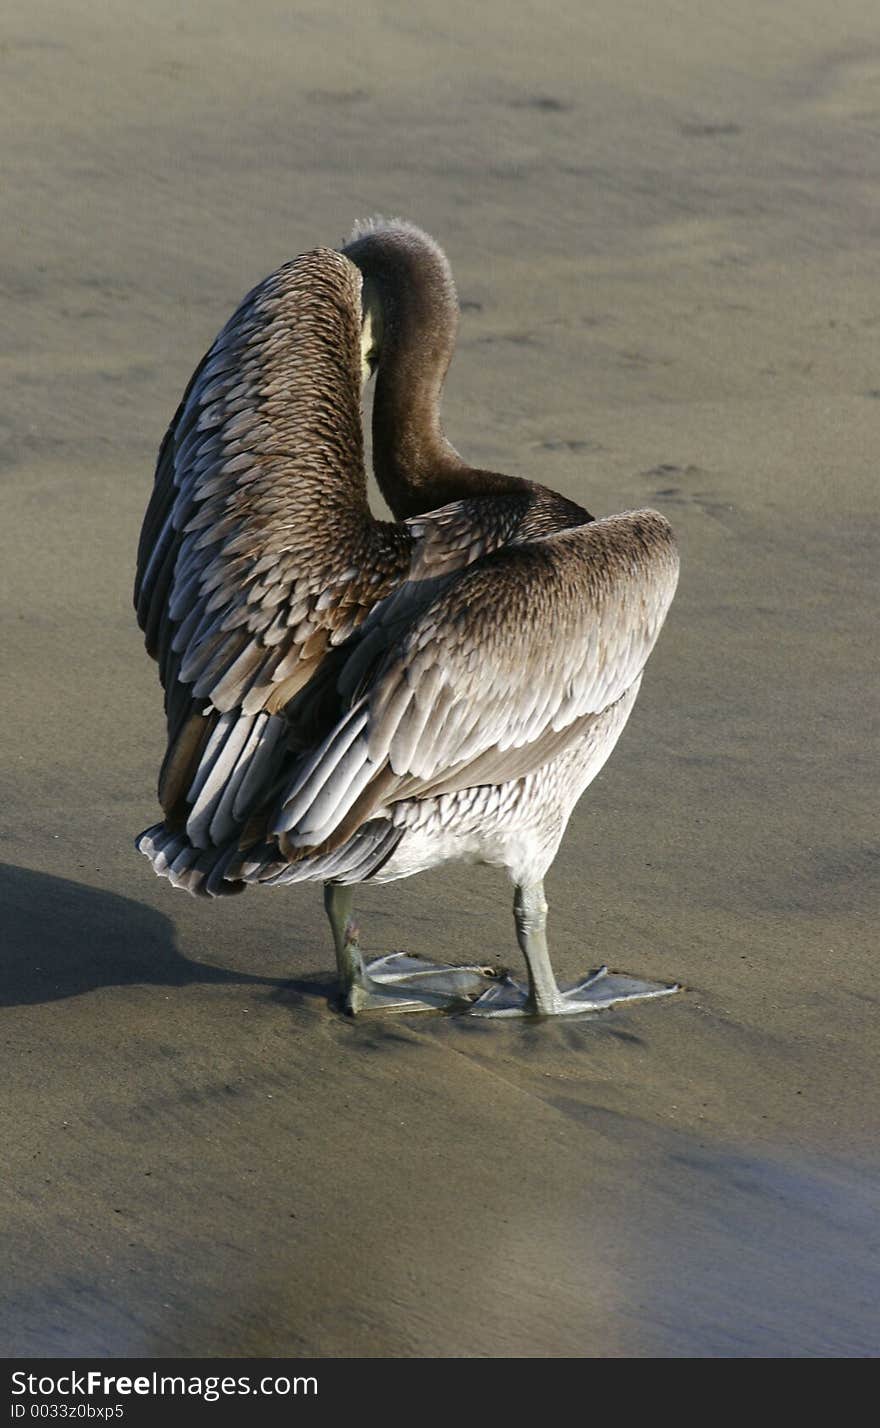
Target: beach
column 663, row 223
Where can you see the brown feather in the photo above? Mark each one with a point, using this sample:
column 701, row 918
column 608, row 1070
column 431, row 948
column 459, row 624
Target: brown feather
column 259, row 509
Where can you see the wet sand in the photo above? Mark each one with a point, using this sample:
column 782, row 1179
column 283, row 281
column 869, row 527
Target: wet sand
column 664, row 229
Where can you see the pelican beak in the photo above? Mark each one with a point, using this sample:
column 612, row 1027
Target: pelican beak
column 371, row 332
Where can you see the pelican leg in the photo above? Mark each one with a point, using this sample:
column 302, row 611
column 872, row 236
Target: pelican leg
column 544, row 997
column 396, row 983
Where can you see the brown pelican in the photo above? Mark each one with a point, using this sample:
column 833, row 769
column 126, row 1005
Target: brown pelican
column 353, row 700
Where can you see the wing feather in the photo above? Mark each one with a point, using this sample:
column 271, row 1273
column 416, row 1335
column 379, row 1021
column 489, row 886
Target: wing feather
column 563, row 626
column 258, row 546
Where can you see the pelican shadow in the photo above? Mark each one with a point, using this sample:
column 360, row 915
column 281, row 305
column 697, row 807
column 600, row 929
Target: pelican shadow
column 60, row 938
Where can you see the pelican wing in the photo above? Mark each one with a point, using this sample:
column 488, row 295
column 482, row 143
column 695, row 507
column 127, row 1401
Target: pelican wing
column 461, row 532
column 446, row 541
column 258, row 550
column 509, row 662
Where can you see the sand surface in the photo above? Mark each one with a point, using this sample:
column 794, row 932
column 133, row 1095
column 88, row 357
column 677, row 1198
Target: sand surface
column 664, row 223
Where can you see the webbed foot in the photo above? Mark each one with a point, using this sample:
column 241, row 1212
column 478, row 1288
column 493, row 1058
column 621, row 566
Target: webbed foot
column 600, row 990
column 402, row 983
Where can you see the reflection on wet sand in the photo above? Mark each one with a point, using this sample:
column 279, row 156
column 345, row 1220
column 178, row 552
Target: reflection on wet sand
column 616, row 1235
column 618, row 1238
